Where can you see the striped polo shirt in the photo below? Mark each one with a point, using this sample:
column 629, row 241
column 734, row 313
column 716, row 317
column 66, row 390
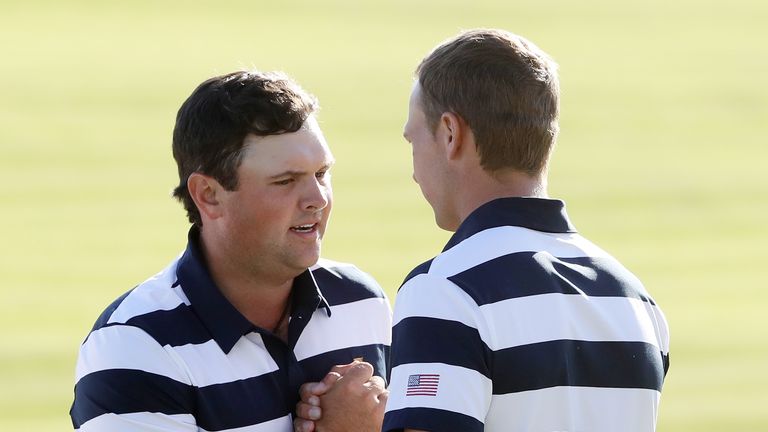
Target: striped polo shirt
column 174, row 354
column 521, row 324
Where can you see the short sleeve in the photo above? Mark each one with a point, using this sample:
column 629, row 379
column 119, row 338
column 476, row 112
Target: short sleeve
column 440, row 378
column 126, row 381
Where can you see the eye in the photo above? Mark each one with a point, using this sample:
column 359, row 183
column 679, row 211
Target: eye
column 284, row 182
column 322, row 174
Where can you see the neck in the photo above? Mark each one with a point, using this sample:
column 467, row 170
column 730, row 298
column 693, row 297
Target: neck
column 261, row 298
column 487, row 187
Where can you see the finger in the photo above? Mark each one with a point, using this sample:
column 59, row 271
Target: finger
column 342, row 369
column 376, row 383
column 308, row 392
column 308, row 412
column 327, row 382
column 302, row 425
column 383, row 397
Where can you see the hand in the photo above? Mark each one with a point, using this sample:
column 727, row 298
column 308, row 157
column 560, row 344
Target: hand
column 349, row 398
column 308, row 409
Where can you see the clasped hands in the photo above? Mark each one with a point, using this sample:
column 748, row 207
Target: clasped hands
column 349, row 398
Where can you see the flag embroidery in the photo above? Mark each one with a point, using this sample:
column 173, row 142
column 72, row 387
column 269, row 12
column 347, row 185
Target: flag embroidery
column 422, row 385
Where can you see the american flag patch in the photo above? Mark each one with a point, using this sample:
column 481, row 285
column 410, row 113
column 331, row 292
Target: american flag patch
column 422, row 385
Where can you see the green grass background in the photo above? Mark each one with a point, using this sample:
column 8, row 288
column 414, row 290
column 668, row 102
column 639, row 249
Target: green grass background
column 661, row 161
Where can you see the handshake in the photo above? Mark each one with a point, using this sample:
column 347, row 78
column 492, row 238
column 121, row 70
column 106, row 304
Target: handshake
column 349, row 398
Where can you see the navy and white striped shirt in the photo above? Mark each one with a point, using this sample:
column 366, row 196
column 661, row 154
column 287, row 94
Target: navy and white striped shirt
column 174, row 354
column 521, row 324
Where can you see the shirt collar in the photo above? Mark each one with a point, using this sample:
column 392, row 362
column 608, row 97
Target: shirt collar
column 225, row 323
column 538, row 214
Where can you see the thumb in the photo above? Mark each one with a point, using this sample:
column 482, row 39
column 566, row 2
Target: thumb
column 360, row 372
column 325, row 384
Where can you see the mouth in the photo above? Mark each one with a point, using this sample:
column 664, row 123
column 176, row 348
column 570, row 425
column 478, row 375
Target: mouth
column 308, row 228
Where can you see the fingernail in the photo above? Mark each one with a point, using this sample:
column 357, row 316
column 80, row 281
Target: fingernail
column 314, row 413
column 314, row 400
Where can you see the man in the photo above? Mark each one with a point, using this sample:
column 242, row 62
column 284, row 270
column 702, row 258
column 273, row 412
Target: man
column 223, row 337
column 520, row 324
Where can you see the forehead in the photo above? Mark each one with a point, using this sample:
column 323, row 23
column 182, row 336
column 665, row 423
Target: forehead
column 416, row 114
column 415, row 100
column 304, row 149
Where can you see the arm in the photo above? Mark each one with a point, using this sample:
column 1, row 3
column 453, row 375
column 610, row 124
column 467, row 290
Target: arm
column 441, row 374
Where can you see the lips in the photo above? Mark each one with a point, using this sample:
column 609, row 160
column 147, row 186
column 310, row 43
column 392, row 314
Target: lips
column 308, row 228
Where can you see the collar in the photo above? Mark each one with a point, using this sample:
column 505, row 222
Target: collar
column 538, row 214
column 224, row 322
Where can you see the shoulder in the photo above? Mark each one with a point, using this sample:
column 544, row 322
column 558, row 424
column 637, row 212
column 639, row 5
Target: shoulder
column 128, row 349
column 158, row 293
column 344, row 283
column 425, row 294
column 419, row 269
column 136, row 327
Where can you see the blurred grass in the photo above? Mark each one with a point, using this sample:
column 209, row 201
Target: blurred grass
column 661, row 160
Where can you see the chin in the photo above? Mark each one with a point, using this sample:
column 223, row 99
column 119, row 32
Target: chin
column 448, row 224
column 309, row 260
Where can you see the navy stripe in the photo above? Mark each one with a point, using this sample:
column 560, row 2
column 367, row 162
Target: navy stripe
column 430, row 419
column 577, row 363
column 244, row 402
column 315, row 368
column 532, row 273
column 124, row 391
column 176, row 327
column 420, row 269
column 220, row 406
column 428, row 340
column 345, row 284
column 107, row 314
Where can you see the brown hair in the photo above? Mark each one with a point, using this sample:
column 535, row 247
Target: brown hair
column 212, row 124
column 504, row 87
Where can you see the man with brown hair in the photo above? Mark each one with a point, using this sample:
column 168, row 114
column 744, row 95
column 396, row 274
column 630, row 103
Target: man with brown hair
column 520, row 324
column 223, row 337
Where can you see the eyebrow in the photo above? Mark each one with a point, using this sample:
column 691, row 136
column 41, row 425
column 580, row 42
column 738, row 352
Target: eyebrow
column 291, row 173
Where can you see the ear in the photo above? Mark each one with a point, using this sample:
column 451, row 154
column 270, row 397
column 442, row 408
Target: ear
column 206, row 193
column 453, row 130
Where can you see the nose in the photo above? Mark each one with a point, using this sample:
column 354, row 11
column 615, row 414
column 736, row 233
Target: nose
column 317, row 196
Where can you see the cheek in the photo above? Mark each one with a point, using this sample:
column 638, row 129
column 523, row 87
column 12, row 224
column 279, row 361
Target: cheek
column 263, row 214
column 420, row 167
column 329, row 199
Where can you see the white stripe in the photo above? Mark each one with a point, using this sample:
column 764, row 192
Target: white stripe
column 142, row 421
column 495, row 242
column 282, row 424
column 532, row 319
column 547, row 317
column 126, row 347
column 179, row 291
column 661, row 326
column 248, row 358
column 460, row 389
column 434, row 297
column 153, row 294
column 574, row 409
column 363, row 322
